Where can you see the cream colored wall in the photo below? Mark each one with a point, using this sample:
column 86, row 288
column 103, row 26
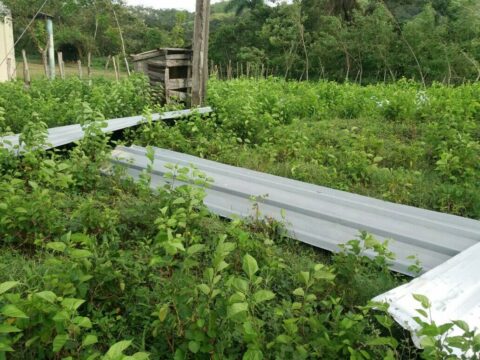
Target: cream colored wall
column 6, row 44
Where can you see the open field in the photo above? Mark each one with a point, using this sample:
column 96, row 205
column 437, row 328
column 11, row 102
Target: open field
column 37, row 71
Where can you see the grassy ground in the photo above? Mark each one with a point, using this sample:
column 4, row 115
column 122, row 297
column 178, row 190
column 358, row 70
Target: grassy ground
column 71, row 69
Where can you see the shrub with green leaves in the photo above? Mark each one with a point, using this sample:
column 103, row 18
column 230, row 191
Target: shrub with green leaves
column 59, row 102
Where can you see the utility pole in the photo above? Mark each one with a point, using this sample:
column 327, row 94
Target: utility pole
column 200, row 52
column 51, row 48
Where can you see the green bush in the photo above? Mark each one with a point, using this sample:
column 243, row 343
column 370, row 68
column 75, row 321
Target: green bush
column 59, row 102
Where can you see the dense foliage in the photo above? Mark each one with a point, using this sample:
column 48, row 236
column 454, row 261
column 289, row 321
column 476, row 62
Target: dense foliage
column 91, row 262
column 61, row 102
column 396, row 142
column 96, row 266
column 365, row 41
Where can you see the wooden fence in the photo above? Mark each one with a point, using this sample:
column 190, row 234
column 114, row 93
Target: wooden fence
column 113, row 62
column 231, row 70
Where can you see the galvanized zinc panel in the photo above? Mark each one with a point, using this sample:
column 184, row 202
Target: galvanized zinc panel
column 63, row 135
column 453, row 289
column 318, row 215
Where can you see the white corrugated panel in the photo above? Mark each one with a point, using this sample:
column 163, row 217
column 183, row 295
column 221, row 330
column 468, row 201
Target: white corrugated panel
column 63, row 135
column 453, row 289
column 317, row 215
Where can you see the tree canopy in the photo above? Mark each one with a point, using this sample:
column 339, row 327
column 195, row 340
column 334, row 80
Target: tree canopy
column 349, row 40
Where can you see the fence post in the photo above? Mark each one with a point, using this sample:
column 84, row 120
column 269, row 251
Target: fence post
column 80, row 70
column 114, row 62
column 61, row 65
column 89, row 65
column 26, row 70
column 108, row 62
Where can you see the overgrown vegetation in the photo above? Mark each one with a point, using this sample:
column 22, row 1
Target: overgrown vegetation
column 96, row 266
column 398, row 142
column 61, row 102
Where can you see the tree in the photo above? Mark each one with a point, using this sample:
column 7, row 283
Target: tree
column 239, row 6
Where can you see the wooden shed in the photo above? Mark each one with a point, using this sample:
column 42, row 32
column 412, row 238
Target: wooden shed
column 7, row 52
column 169, row 67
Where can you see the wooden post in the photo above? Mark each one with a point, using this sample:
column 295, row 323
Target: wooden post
column 166, row 90
column 189, row 79
column 80, row 70
column 248, row 69
column 108, row 62
column 114, row 62
column 119, row 67
column 26, row 70
column 237, row 73
column 61, row 65
column 45, row 65
column 200, row 52
column 89, row 65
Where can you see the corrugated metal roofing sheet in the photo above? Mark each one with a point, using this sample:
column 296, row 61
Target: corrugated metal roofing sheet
column 453, row 289
column 63, row 135
column 318, row 215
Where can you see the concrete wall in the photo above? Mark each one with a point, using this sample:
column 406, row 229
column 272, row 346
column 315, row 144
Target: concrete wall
column 6, row 44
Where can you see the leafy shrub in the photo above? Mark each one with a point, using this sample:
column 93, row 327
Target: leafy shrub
column 59, row 102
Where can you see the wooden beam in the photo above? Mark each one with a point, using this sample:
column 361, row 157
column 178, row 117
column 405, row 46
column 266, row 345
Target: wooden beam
column 166, row 89
column 200, row 52
column 168, row 63
column 178, row 57
column 179, row 83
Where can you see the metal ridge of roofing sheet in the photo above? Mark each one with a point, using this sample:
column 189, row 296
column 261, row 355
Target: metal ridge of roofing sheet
column 317, row 215
column 452, row 288
column 63, row 135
